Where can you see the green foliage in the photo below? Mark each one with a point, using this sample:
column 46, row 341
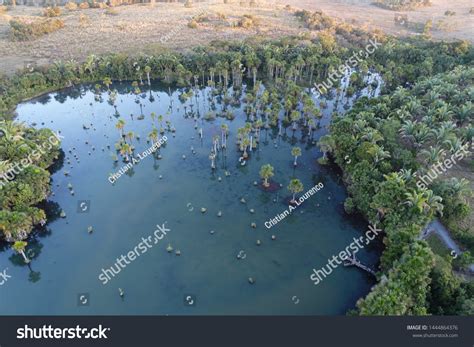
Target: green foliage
column 404, row 290
column 402, row 5
column 448, row 295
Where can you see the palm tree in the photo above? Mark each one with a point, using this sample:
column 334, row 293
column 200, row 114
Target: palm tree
column 245, row 144
column 296, row 152
column 460, row 188
column 433, row 203
column 212, row 157
column 327, row 144
column 130, row 136
column 266, row 172
column 125, row 150
column 107, row 82
column 295, row 186
column 415, row 200
column 295, row 117
column 408, row 129
column 453, row 144
column 464, row 112
column 380, row 154
column 153, row 135
column 12, row 132
column 311, row 126
column 372, row 136
column 433, row 155
column 120, row 124
column 20, row 246
column 147, row 71
column 224, row 131
column 153, row 117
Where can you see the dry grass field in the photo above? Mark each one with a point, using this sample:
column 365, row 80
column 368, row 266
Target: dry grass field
column 142, row 27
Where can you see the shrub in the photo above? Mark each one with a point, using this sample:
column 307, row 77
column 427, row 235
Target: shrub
column 84, row 5
column 84, row 20
column 247, row 21
column 315, row 20
column 111, row 12
column 52, row 12
column 449, row 13
column 70, row 6
column 349, row 205
column 193, row 24
column 23, row 31
column 188, row 3
column 399, row 5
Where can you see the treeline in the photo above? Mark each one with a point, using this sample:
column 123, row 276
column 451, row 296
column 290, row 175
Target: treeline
column 392, row 142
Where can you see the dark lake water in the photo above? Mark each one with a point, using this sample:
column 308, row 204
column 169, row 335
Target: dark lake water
column 67, row 260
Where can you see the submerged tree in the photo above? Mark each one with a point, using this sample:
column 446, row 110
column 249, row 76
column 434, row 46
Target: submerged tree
column 266, row 172
column 295, row 152
column 295, row 186
column 20, row 246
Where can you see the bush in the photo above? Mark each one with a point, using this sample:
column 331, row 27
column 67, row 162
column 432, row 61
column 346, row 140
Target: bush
column 193, row 24
column 399, row 5
column 70, row 6
column 449, row 13
column 111, row 12
column 188, row 3
column 23, row 31
column 83, row 20
column 315, row 20
column 247, row 21
column 52, row 12
column 84, row 5
column 349, row 205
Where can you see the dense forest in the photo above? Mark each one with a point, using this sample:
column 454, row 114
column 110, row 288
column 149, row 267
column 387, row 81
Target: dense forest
column 424, row 114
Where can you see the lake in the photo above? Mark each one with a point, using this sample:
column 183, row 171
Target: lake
column 67, row 259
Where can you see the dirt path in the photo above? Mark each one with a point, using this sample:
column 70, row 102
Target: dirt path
column 439, row 229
